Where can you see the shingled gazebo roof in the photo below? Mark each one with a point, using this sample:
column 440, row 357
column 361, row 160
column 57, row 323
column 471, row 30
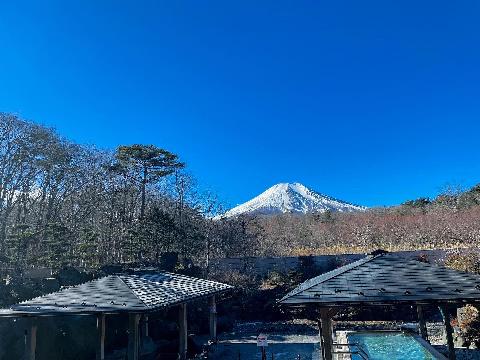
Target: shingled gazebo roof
column 120, row 293
column 386, row 279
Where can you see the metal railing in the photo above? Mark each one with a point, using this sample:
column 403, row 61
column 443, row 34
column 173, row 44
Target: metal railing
column 359, row 350
column 271, row 357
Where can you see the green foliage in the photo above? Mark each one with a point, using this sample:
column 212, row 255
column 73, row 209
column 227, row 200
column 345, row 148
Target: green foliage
column 470, row 198
column 326, row 216
column 159, row 229
column 446, row 200
column 57, row 243
column 156, row 161
column 451, row 198
column 17, row 289
column 418, row 203
column 145, row 164
column 19, row 242
column 70, row 276
column 62, row 204
column 87, row 248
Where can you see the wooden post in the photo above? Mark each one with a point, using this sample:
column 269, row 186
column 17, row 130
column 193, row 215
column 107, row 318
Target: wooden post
column 182, row 328
column 145, row 325
column 100, row 350
column 421, row 323
column 31, row 340
column 326, row 334
column 449, row 331
column 213, row 319
column 133, row 320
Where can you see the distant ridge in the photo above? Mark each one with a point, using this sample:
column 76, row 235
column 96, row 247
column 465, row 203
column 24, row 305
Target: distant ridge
column 291, row 198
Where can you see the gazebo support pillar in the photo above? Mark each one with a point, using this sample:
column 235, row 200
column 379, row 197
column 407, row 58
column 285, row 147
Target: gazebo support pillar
column 133, row 336
column 448, row 331
column 326, row 334
column 31, row 340
column 421, row 323
column 145, row 325
column 213, row 319
column 100, row 350
column 182, row 329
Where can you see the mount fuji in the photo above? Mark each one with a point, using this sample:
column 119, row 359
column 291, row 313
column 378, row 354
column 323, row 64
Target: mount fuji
column 291, row 198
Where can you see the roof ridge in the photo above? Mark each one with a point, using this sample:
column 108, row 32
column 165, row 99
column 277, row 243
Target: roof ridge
column 334, row 273
column 131, row 290
column 189, row 277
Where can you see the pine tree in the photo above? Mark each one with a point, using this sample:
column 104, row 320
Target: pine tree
column 145, row 164
column 57, row 241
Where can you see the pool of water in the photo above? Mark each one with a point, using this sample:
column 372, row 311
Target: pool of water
column 389, row 346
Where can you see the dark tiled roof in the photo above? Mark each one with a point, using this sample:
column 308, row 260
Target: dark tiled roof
column 120, row 293
column 386, row 279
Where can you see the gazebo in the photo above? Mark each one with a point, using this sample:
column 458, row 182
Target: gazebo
column 385, row 279
column 135, row 295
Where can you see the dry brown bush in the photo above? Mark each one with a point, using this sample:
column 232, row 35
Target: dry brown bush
column 393, row 229
column 464, row 261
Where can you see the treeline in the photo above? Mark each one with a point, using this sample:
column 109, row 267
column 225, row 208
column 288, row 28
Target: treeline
column 451, row 220
column 64, row 204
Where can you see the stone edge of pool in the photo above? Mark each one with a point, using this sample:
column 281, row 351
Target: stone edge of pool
column 342, row 338
column 429, row 347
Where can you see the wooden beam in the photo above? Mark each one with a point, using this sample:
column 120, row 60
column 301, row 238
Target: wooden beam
column 182, row 329
column 326, row 334
column 213, row 319
column 448, row 331
column 31, row 340
column 100, row 350
column 421, row 323
column 133, row 336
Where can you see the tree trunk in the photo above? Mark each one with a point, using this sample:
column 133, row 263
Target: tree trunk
column 144, row 195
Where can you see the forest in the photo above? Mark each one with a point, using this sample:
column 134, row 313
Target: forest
column 64, row 204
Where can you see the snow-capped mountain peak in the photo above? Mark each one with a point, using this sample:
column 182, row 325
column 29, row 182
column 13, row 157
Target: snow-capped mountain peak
column 291, row 198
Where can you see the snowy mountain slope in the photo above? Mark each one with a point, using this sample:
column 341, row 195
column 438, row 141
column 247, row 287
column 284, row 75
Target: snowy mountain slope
column 291, row 198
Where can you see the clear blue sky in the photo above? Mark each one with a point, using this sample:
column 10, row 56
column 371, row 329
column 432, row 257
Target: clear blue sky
column 374, row 102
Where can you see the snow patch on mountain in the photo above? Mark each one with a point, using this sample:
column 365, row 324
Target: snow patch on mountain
column 291, row 198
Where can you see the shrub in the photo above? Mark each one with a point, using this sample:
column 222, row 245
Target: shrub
column 469, row 324
column 468, row 262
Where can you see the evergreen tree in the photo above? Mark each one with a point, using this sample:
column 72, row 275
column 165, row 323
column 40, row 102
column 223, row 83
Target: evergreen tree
column 57, row 241
column 87, row 248
column 19, row 244
column 146, row 164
